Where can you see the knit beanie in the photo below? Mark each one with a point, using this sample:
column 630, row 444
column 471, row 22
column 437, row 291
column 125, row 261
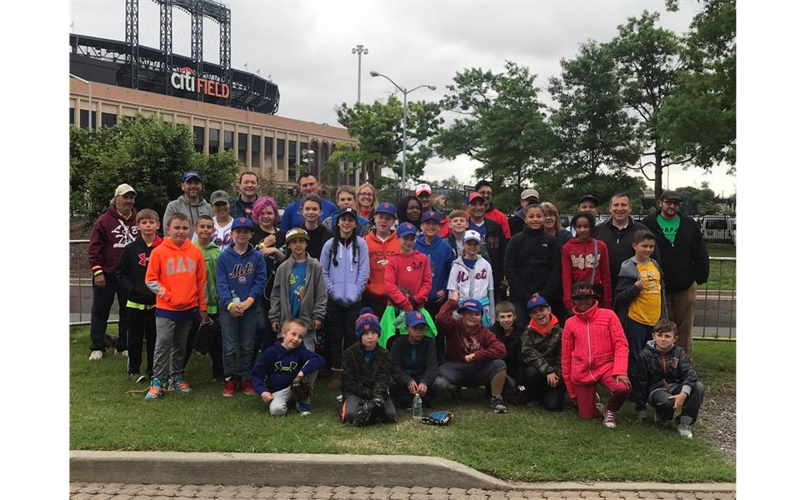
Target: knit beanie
column 367, row 321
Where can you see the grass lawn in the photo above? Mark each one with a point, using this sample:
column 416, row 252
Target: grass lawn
column 722, row 273
column 527, row 444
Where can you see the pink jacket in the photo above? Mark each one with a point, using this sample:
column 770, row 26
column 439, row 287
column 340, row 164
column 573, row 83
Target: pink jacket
column 593, row 343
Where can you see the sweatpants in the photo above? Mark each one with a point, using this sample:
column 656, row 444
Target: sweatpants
column 552, row 398
column 682, row 309
column 403, row 397
column 169, row 350
column 340, row 332
column 585, row 395
column 660, row 400
column 142, row 326
column 350, row 406
column 637, row 334
column 102, row 301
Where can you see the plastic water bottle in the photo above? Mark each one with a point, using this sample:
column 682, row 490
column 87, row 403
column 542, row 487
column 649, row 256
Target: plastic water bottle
column 417, row 407
column 235, row 298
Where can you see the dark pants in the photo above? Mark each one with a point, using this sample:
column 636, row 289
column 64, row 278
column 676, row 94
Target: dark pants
column 350, row 406
column 340, row 332
column 216, row 352
column 102, row 301
column 378, row 306
column 472, row 374
column 142, row 326
column 265, row 336
column 637, row 334
column 403, row 397
column 433, row 310
column 552, row 398
column 664, row 406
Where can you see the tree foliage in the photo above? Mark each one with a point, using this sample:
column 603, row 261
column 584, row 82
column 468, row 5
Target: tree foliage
column 701, row 201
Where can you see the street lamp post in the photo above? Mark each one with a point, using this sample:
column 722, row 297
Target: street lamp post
column 89, row 85
column 360, row 50
column 405, row 93
column 307, row 159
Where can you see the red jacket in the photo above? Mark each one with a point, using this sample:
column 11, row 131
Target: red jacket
column 593, row 343
column 110, row 235
column 499, row 217
column 461, row 342
column 412, row 272
column 577, row 265
column 380, row 252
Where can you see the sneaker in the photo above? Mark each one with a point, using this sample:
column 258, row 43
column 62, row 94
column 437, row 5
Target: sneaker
column 303, row 409
column 497, row 404
column 124, row 354
column 658, row 419
column 180, row 385
column 246, row 386
column 135, row 377
column 141, row 379
column 96, row 355
column 230, row 385
column 155, row 391
column 609, row 420
column 684, row 430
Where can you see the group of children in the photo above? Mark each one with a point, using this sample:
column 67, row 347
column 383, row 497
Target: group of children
column 438, row 294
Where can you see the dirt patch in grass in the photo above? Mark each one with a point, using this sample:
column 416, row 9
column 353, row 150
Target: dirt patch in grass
column 717, row 420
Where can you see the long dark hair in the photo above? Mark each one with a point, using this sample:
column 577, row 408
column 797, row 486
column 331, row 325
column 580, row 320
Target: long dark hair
column 402, row 211
column 352, row 240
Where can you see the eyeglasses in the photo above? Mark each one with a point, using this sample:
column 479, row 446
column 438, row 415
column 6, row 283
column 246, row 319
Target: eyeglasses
column 672, row 202
column 369, row 195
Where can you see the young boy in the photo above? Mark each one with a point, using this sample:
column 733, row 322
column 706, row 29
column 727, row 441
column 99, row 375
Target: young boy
column 474, row 354
column 414, row 365
column 177, row 275
column 440, row 256
column 640, row 296
column 367, row 373
column 141, row 301
column 383, row 245
column 542, row 356
column 299, row 290
column 241, row 278
column 594, row 350
column 318, row 234
column 665, row 379
column 458, row 224
column 510, row 335
column 284, row 364
column 205, row 229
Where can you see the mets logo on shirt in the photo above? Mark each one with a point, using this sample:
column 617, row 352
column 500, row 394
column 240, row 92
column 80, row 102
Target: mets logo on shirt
column 674, row 362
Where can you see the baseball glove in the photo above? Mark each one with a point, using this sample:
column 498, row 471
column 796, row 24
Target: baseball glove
column 438, row 418
column 205, row 336
column 300, row 389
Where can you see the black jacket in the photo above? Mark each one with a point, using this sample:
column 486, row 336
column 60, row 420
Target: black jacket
column 131, row 269
column 534, row 265
column 366, row 380
column 619, row 243
column 517, row 222
column 686, row 260
column 513, row 348
column 414, row 361
column 655, row 369
column 496, row 242
column 318, row 237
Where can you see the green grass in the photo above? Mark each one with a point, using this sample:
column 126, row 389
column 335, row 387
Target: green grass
column 722, row 273
column 528, row 444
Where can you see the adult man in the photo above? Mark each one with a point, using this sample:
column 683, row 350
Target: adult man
column 618, row 233
column 485, row 188
column 517, row 221
column 587, row 203
column 114, row 229
column 493, row 236
column 684, row 261
column 308, row 184
column 190, row 203
column 241, row 205
column 424, row 192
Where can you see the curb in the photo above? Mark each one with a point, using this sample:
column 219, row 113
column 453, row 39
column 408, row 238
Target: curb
column 646, row 487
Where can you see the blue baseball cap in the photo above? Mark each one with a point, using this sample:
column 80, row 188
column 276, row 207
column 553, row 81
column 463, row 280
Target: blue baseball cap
column 471, row 305
column 414, row 318
column 537, row 301
column 191, row 174
column 405, row 229
column 431, row 215
column 386, row 208
column 241, row 222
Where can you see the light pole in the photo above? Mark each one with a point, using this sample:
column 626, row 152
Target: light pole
column 89, row 84
column 307, row 159
column 405, row 116
column 360, row 50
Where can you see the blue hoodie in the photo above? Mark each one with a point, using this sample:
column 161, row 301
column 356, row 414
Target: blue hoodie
column 346, row 281
column 243, row 274
column 281, row 366
column 441, row 259
column 292, row 217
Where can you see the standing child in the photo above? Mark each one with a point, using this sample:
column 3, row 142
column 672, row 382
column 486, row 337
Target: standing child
column 586, row 259
column 177, row 275
column 318, row 234
column 440, row 256
column 471, row 276
column 414, row 365
column 510, row 335
column 382, row 244
column 542, row 356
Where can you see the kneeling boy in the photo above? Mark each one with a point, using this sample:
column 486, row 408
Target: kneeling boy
column 542, row 356
column 414, row 365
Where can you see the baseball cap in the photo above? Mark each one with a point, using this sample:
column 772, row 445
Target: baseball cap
column 367, row 322
column 405, row 229
column 431, row 215
column 471, row 305
column 474, row 196
column 219, row 196
column 423, row 188
column 537, row 301
column 386, row 208
column 589, row 197
column 190, row 174
column 347, row 211
column 241, row 222
column 296, row 232
column 124, row 189
column 582, row 289
column 472, row 236
column 414, row 318
column 529, row 193
column 669, row 195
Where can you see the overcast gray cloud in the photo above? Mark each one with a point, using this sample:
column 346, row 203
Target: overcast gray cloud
column 306, row 47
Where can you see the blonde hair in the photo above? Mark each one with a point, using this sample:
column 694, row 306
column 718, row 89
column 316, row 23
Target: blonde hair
column 289, row 323
column 374, row 195
column 550, row 208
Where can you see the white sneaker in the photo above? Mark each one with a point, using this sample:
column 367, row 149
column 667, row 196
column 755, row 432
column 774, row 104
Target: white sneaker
column 609, row 420
column 96, row 355
column 684, row 430
column 123, row 354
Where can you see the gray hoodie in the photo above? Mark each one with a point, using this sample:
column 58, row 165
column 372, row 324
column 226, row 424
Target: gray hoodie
column 314, row 302
column 181, row 205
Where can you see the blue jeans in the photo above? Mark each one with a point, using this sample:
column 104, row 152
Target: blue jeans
column 637, row 334
column 238, row 332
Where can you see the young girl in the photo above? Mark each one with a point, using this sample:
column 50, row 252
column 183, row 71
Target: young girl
column 410, row 210
column 269, row 240
column 533, row 266
column 408, row 282
column 367, row 201
column 471, row 276
column 345, row 263
column 586, row 259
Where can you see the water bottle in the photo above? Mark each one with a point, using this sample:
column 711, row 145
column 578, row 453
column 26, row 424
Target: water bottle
column 235, row 298
column 417, row 407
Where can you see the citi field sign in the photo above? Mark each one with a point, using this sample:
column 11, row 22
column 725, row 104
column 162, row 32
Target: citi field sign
column 185, row 79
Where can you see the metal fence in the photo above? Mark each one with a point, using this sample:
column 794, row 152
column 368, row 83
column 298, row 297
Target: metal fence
column 715, row 304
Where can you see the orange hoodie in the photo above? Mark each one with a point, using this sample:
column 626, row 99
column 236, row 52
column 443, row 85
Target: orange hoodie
column 379, row 254
column 178, row 276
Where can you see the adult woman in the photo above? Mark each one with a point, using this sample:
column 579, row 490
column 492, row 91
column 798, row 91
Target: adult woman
column 553, row 225
column 410, row 210
column 367, row 201
column 268, row 239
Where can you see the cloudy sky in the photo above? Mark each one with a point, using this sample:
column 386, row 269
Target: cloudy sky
column 306, row 48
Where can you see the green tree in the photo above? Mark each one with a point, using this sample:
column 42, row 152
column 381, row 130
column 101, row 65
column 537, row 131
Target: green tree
column 700, row 201
column 502, row 124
